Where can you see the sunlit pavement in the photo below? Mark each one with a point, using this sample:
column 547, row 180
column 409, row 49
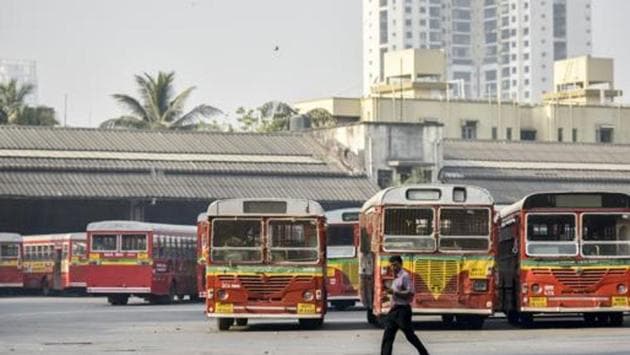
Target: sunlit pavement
column 87, row 325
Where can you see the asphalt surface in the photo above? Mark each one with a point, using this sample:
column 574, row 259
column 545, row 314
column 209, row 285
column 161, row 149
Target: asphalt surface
column 89, row 325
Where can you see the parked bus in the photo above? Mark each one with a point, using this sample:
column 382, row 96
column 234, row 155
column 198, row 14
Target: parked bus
column 267, row 260
column 202, row 253
column 10, row 262
column 55, row 262
column 153, row 261
column 342, row 231
column 444, row 234
column 565, row 252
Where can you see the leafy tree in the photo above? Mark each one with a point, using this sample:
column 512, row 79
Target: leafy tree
column 272, row 116
column 12, row 96
column 321, row 118
column 36, row 116
column 158, row 107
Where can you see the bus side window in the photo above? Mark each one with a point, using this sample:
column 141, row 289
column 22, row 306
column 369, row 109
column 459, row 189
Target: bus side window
column 156, row 246
column 64, row 253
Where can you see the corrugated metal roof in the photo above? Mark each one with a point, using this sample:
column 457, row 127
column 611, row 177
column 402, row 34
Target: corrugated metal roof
column 181, row 186
column 535, row 152
column 89, row 139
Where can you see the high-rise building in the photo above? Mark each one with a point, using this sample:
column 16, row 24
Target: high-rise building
column 496, row 48
column 24, row 72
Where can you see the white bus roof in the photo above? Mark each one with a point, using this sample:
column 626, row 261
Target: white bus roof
column 202, row 217
column 265, row 207
column 10, row 237
column 519, row 205
column 443, row 196
column 135, row 226
column 337, row 216
column 54, row 237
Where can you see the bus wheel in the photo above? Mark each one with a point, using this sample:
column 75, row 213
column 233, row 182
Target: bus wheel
column 602, row 319
column 589, row 319
column 512, row 317
column 616, row 319
column 526, row 320
column 473, row 321
column 224, row 323
column 448, row 319
column 311, row 323
column 241, row 322
column 118, row 300
column 342, row 305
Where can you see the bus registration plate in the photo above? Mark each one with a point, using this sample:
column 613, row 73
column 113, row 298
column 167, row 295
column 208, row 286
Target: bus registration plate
column 620, row 301
column 538, row 302
column 305, row 308
column 224, row 308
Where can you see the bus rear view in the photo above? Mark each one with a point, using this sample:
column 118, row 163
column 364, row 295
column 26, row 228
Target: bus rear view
column 266, row 260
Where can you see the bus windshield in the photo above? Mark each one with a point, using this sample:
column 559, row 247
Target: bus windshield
column 104, row 242
column 606, row 235
column 340, row 241
column 409, row 229
column 551, row 235
column 133, row 242
column 9, row 251
column 464, row 229
column 293, row 241
column 236, row 240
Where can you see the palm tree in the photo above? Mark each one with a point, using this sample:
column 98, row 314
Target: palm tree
column 12, row 96
column 159, row 108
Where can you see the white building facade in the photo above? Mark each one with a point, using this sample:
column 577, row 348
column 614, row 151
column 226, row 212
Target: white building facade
column 503, row 48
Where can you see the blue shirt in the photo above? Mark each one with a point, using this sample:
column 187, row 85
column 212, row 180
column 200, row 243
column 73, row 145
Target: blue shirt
column 402, row 284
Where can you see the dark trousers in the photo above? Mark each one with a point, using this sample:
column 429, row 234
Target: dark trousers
column 399, row 317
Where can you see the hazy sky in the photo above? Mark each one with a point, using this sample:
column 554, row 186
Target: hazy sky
column 90, row 49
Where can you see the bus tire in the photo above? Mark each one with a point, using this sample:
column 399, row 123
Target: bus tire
column 589, row 319
column 224, row 323
column 473, row 321
column 616, row 319
column 512, row 317
column 526, row 320
column 118, row 300
column 602, row 318
column 241, row 322
column 342, row 305
column 311, row 323
column 448, row 319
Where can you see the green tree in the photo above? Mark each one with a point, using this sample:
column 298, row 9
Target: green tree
column 36, row 116
column 272, row 116
column 321, row 118
column 12, row 96
column 158, row 107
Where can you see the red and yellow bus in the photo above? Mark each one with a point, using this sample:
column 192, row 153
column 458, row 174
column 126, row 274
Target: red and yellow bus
column 444, row 234
column 153, row 261
column 10, row 262
column 202, row 253
column 342, row 231
column 54, row 262
column 565, row 252
column 267, row 259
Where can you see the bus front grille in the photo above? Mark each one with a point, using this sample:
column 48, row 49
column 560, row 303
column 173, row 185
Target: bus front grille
column 579, row 280
column 436, row 276
column 259, row 286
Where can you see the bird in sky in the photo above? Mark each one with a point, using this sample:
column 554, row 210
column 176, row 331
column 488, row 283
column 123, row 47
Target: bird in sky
column 276, row 48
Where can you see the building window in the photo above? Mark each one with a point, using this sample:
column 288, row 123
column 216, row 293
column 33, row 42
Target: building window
column 469, row 130
column 560, row 135
column 494, row 133
column 508, row 134
column 604, row 135
column 574, row 135
column 528, row 135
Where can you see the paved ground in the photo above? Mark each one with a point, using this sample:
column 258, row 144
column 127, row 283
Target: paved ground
column 88, row 325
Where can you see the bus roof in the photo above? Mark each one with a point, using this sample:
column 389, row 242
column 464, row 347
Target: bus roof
column 430, row 194
column 572, row 199
column 10, row 237
column 343, row 216
column 203, row 216
column 265, row 207
column 135, row 226
column 54, row 237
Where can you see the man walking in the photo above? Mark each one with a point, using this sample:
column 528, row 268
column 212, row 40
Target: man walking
column 399, row 316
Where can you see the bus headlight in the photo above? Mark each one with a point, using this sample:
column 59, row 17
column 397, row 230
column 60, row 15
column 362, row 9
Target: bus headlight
column 622, row 289
column 480, row 285
column 222, row 295
column 308, row 295
column 536, row 288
